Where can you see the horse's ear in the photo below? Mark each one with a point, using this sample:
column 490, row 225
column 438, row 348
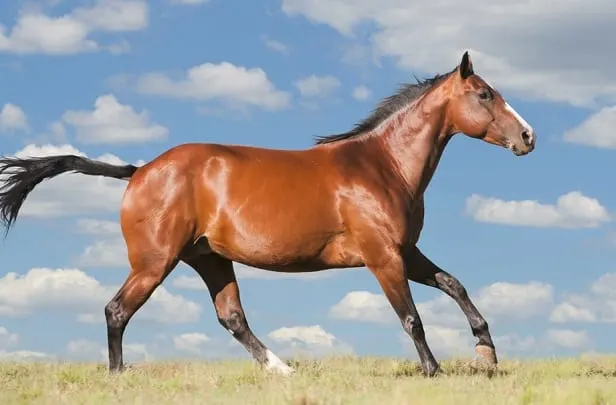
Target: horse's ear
column 466, row 66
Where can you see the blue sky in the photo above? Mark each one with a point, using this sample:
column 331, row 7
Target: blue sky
column 531, row 238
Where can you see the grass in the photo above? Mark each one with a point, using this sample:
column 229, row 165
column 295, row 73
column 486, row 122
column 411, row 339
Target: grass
column 330, row 381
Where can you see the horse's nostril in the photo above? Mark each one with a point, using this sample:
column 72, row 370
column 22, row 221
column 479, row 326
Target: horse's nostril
column 526, row 137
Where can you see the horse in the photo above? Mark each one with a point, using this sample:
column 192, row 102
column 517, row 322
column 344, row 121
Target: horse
column 352, row 199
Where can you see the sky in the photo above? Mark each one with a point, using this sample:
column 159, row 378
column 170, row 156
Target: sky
column 531, row 238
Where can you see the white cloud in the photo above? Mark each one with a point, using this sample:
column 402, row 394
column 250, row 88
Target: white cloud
column 114, row 15
column 71, row 193
column 363, row 306
column 570, row 339
column 444, row 340
column 108, row 250
column 38, row 33
column 514, row 343
column 447, row 341
column 597, row 130
column 24, row 356
column 113, row 123
column 308, row 340
column 105, row 253
column 73, row 290
column 7, row 338
column 572, row 210
column 190, row 342
column 515, row 300
column 275, row 45
column 317, row 86
column 225, row 82
column 12, row 117
column 596, row 305
column 530, row 63
column 501, row 299
column 570, row 312
column 361, row 93
column 35, row 32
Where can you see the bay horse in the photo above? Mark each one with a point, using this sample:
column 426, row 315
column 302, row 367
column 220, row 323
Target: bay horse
column 353, row 199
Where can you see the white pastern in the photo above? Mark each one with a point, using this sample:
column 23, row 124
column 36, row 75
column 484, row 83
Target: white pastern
column 273, row 363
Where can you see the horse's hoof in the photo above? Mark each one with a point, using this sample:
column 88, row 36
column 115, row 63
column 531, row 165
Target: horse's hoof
column 485, row 360
column 487, row 354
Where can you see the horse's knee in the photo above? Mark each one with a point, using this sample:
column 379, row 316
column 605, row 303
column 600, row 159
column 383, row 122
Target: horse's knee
column 414, row 327
column 234, row 322
column 115, row 315
column 451, row 285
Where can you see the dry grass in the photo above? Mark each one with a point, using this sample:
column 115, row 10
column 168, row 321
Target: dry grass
column 330, row 381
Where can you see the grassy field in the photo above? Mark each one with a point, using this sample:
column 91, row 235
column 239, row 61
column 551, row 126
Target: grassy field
column 331, row 381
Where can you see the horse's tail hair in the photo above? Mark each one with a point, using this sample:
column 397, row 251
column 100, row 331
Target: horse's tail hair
column 18, row 177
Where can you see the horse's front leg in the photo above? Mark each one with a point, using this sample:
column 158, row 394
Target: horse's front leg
column 422, row 270
column 389, row 269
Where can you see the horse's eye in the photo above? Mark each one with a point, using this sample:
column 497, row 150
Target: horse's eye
column 485, row 94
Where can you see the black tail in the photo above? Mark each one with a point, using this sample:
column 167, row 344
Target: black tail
column 18, row 177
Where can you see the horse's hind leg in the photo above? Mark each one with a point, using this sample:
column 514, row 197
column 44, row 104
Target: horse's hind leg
column 219, row 276
column 148, row 270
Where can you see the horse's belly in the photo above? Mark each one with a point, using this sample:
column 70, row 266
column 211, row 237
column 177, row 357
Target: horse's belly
column 271, row 247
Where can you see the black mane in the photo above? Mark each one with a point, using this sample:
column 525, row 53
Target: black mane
column 407, row 93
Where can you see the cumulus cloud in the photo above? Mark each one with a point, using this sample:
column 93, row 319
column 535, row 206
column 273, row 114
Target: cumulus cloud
column 501, row 299
column 516, row 300
column 113, row 123
column 363, row 306
column 513, row 343
column 105, row 253
column 445, row 341
column 597, row 130
column 44, row 289
column 114, row 15
column 529, row 63
column 236, row 86
column 190, row 342
column 308, row 340
column 12, row 117
column 570, row 339
column 598, row 304
column 35, row 32
column 317, row 86
column 108, row 250
column 572, row 210
column 70, row 193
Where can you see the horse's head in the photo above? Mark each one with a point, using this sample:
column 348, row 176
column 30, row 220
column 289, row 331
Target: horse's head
column 479, row 111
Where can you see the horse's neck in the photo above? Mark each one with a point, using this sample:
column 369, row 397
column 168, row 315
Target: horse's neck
column 415, row 140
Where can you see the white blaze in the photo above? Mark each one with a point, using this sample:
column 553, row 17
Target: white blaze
column 521, row 120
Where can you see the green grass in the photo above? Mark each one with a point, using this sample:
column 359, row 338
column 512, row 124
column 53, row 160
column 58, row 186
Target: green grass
column 330, row 381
